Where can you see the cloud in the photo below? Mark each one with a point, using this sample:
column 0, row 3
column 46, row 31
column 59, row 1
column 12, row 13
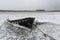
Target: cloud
column 29, row 4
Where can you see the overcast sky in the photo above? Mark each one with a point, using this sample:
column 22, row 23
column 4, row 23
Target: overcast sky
column 29, row 4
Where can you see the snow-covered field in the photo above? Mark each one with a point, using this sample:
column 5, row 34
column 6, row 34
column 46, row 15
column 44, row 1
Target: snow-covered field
column 52, row 27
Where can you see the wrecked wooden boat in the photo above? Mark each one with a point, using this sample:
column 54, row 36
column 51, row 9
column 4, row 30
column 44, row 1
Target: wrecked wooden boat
column 23, row 23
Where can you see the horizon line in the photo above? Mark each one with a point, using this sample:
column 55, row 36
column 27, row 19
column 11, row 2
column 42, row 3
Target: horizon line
column 38, row 10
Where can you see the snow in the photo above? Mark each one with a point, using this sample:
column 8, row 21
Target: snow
column 51, row 27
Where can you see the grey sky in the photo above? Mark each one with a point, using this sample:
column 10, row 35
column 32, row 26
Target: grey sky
column 29, row 4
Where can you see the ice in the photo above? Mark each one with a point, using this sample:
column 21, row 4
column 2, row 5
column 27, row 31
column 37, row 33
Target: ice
column 51, row 27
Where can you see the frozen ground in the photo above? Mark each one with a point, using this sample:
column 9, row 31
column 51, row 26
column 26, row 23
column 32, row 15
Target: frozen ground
column 52, row 27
